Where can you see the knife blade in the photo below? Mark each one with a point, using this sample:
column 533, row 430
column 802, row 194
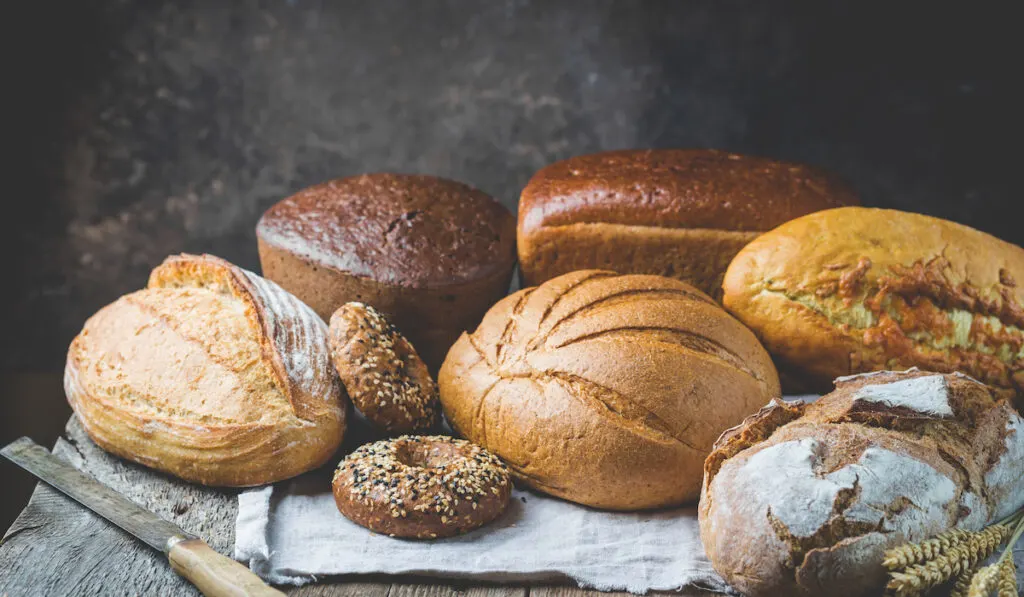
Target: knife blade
column 214, row 574
column 146, row 526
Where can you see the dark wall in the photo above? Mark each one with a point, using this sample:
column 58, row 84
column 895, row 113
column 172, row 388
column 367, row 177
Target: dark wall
column 144, row 129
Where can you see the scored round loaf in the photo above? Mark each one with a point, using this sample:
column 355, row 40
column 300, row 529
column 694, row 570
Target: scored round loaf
column 431, row 254
column 603, row 389
column 858, row 289
column 212, row 374
column 682, row 213
column 803, row 500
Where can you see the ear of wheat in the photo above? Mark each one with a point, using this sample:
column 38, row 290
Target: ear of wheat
column 953, row 556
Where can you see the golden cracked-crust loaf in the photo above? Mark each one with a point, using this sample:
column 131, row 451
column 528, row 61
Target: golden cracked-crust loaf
column 382, row 374
column 212, row 374
column 803, row 500
column 682, row 213
column 430, row 253
column 421, row 487
column 859, row 289
column 603, row 389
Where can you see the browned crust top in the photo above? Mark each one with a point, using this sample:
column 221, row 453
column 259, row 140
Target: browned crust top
column 678, row 188
column 421, row 487
column 403, row 229
column 383, row 374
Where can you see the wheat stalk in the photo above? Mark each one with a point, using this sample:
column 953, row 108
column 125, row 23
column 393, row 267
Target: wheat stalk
column 963, row 583
column 977, row 546
column 1007, row 585
column 918, row 553
column 984, row 582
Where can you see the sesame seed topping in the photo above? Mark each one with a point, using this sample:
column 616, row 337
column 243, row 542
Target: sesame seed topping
column 381, row 371
column 423, row 473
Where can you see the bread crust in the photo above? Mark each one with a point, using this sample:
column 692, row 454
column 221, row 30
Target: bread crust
column 682, row 213
column 802, row 500
column 860, row 289
column 605, row 390
column 431, row 254
column 382, row 374
column 421, row 487
column 211, row 374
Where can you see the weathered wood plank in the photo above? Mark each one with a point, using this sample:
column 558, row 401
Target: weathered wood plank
column 342, row 589
column 565, row 591
column 403, row 589
column 94, row 557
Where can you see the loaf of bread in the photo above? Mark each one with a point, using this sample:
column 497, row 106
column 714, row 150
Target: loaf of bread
column 858, row 289
column 803, row 500
column 672, row 212
column 212, row 374
column 603, row 389
column 431, row 254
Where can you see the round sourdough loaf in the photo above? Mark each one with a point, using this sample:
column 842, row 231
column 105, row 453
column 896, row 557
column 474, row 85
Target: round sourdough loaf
column 603, row 389
column 431, row 254
column 803, row 500
column 858, row 289
column 212, row 374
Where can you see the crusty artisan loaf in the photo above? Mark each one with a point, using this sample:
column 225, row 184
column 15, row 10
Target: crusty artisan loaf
column 857, row 289
column 682, row 213
column 603, row 389
column 431, row 254
column 802, row 500
column 212, row 374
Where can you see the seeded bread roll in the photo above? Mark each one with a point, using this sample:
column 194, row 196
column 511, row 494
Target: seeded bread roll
column 422, row 487
column 682, row 213
column 212, row 374
column 431, row 254
column 857, row 289
column 605, row 390
column 802, row 500
column 383, row 375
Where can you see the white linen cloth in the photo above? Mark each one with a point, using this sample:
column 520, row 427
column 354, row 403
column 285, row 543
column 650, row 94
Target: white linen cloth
column 292, row 533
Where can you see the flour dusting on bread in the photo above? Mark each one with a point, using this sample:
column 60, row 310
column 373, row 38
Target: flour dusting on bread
column 300, row 336
column 928, row 395
column 784, row 481
column 1005, row 480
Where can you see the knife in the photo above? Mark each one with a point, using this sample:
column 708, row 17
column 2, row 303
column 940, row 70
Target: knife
column 214, row 574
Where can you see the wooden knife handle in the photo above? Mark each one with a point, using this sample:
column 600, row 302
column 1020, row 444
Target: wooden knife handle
column 214, row 574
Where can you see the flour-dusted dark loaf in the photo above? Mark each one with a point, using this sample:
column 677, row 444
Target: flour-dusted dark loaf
column 212, row 374
column 802, row 500
column 858, row 289
column 603, row 389
column 682, row 213
column 431, row 254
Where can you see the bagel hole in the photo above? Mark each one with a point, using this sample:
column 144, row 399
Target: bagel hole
column 421, row 455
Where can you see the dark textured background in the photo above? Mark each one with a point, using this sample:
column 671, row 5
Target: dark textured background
column 140, row 129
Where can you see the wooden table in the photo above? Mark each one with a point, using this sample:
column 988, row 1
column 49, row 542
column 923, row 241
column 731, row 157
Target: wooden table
column 57, row 547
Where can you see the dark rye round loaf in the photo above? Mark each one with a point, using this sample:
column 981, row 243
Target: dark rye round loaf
column 432, row 254
column 682, row 213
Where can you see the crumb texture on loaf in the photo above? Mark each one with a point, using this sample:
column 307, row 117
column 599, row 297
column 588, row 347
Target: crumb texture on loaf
column 806, row 504
column 403, row 229
column 210, row 373
column 603, row 389
column 858, row 289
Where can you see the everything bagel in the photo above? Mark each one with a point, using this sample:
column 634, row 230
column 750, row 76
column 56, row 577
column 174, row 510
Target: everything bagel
column 421, row 487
